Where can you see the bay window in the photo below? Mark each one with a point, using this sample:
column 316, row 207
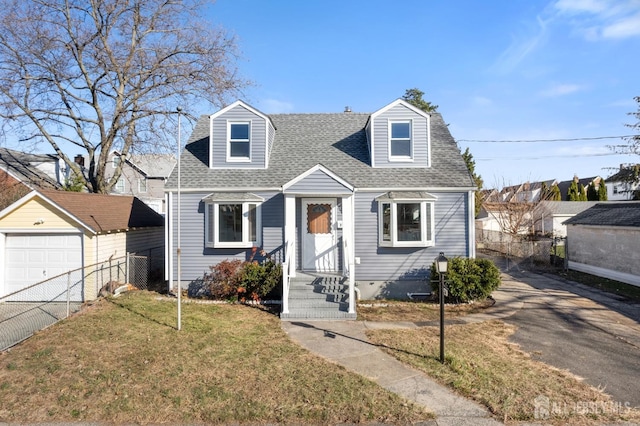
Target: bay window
column 231, row 222
column 406, row 219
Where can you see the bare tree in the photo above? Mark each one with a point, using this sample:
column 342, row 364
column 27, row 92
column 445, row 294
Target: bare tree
column 108, row 74
column 517, row 209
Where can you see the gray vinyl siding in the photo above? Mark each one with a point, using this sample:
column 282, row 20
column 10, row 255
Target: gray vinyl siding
column 394, row 263
column 196, row 258
column 258, row 139
column 420, row 135
column 319, row 182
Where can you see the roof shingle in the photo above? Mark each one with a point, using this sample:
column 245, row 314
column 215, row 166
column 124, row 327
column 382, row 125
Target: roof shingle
column 105, row 213
column 336, row 141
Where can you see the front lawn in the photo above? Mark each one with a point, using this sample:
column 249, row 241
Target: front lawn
column 123, row 361
column 482, row 364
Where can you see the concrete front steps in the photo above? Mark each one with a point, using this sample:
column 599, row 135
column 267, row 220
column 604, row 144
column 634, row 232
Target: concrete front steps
column 318, row 297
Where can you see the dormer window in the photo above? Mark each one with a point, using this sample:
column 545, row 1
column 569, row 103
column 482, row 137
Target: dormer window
column 239, row 141
column 400, row 141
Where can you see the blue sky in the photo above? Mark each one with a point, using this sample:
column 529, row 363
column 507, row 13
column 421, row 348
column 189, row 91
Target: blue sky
column 499, row 70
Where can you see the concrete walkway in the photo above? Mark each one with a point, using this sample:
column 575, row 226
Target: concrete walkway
column 345, row 342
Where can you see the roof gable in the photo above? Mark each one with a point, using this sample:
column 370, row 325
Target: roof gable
column 338, row 141
column 318, row 178
column 97, row 213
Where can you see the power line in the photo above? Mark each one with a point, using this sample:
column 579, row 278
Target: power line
column 541, row 157
column 547, row 140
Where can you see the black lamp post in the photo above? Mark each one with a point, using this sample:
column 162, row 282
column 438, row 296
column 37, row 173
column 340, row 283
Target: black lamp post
column 442, row 263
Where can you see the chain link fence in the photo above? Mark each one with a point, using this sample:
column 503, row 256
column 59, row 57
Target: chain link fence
column 519, row 250
column 42, row 304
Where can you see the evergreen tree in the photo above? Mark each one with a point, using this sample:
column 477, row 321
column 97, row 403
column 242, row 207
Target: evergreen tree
column 556, row 195
column 477, row 179
column 592, row 192
column 414, row 97
column 602, row 192
column 573, row 193
column 582, row 193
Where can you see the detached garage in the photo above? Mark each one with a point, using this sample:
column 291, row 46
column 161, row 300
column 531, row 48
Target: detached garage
column 48, row 233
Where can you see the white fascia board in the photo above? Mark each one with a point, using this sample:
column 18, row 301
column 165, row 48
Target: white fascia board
column 224, row 189
column 426, row 189
column 34, row 194
column 18, row 203
column 403, row 103
column 318, row 167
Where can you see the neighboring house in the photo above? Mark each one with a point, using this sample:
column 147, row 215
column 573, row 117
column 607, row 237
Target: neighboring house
column 143, row 176
column 49, row 232
column 550, row 215
column 511, row 209
column 585, row 182
column 605, row 241
column 623, row 185
column 21, row 172
column 367, row 199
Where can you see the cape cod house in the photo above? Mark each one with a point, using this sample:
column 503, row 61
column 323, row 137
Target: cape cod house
column 352, row 204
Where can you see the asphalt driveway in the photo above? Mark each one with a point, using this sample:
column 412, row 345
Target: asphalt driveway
column 593, row 334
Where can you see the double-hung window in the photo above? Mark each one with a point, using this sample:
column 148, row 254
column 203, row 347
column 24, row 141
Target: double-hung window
column 120, row 186
column 239, row 141
column 232, row 220
column 400, row 140
column 406, row 219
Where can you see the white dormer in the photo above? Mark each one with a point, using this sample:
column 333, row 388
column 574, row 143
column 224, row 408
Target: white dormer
column 240, row 136
column 399, row 136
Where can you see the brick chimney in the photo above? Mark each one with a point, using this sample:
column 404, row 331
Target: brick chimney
column 79, row 160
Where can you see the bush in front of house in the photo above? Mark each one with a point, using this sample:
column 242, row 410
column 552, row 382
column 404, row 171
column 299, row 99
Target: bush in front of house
column 468, row 279
column 238, row 280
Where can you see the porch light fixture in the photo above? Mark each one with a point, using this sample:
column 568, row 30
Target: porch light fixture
column 442, row 265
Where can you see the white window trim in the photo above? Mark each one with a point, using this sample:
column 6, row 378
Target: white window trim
column 400, row 158
column 117, row 184
column 238, row 159
column 141, row 181
column 212, row 208
column 115, row 160
column 424, row 226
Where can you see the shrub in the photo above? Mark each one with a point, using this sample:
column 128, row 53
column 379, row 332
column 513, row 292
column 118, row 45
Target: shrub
column 242, row 280
column 468, row 279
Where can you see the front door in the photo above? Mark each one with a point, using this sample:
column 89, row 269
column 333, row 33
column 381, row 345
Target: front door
column 319, row 241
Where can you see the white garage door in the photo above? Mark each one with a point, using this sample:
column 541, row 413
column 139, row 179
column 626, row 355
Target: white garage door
column 32, row 258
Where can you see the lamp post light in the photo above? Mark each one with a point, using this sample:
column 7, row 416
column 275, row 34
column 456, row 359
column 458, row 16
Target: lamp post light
column 442, row 264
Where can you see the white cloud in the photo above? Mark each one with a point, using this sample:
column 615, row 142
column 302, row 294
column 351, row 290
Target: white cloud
column 274, row 106
column 623, row 28
column 601, row 19
column 581, row 6
column 560, row 90
column 521, row 47
column 481, row 101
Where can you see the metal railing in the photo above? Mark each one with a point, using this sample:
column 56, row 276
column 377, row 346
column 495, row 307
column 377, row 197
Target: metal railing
column 286, row 276
column 40, row 305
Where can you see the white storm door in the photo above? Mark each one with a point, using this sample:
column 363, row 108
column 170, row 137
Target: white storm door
column 319, row 241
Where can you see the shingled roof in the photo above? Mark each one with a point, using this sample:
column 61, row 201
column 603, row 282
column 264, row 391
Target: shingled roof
column 21, row 166
column 609, row 214
column 336, row 141
column 105, row 213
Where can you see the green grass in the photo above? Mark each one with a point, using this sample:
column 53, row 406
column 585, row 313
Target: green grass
column 124, row 362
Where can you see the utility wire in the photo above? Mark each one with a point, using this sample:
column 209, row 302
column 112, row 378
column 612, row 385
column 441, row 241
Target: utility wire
column 546, row 140
column 540, row 157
